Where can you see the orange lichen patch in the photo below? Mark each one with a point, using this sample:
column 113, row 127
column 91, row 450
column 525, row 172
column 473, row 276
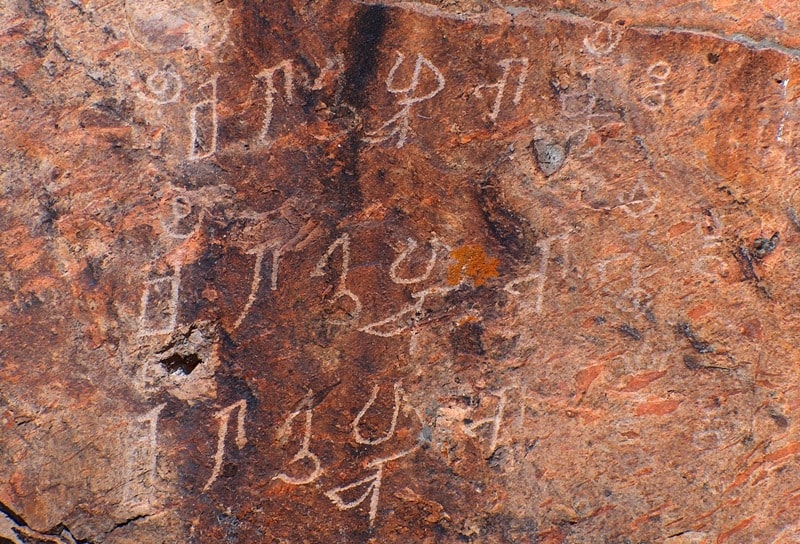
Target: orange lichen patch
column 640, row 381
column 27, row 69
column 18, row 483
column 472, row 263
column 657, row 407
column 94, row 336
column 511, row 127
column 759, row 477
column 375, row 212
column 585, row 415
column 435, row 511
column 600, row 511
column 76, row 230
column 791, row 503
column 118, row 46
column 24, row 257
column 7, row 420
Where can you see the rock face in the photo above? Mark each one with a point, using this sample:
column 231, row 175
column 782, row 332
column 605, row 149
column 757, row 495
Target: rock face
column 452, row 271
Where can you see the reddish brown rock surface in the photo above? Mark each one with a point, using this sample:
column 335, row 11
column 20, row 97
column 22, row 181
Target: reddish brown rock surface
column 413, row 272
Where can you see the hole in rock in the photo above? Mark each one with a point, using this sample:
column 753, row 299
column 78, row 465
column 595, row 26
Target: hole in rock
column 181, row 364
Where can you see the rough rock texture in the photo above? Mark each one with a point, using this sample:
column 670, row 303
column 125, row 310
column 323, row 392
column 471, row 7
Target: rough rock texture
column 450, row 271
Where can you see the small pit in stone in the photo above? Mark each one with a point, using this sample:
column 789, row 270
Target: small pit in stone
column 181, row 364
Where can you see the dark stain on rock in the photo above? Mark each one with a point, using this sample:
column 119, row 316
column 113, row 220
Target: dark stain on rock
column 212, row 255
column 367, row 30
column 685, row 330
column 501, row 347
column 17, row 82
column 780, row 420
column 342, row 184
column 691, row 362
column 630, row 332
column 48, row 213
column 366, row 33
column 235, row 388
column 270, row 31
column 509, row 229
column 793, row 217
column 229, row 470
column 91, row 273
column 116, row 110
column 764, row 246
column 468, row 338
column 498, row 458
column 745, row 258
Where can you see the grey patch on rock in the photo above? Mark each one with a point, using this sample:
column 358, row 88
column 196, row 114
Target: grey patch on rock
column 550, row 156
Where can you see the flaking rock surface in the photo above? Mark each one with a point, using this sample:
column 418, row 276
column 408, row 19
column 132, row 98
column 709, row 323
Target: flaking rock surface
column 454, row 271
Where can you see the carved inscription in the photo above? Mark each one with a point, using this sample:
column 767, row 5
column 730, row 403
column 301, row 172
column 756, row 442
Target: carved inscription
column 203, row 123
column 224, row 417
column 399, row 126
column 358, row 437
column 159, row 305
column 493, row 423
column 475, row 283
column 142, row 463
column 539, row 277
column 271, row 92
column 653, row 97
column 304, row 456
column 603, row 41
column 370, row 484
column 164, row 86
column 507, row 66
column 341, row 292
